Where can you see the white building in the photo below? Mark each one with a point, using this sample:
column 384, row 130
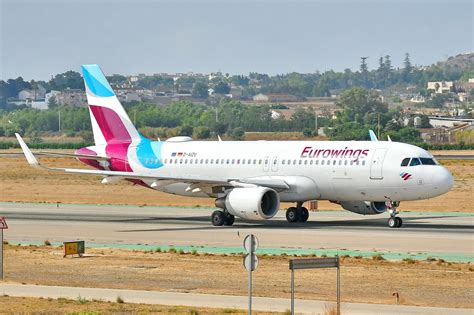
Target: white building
column 441, row 86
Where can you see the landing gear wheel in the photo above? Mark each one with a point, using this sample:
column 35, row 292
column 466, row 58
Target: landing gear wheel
column 399, row 222
column 229, row 219
column 292, row 215
column 392, row 222
column 218, row 218
column 304, row 214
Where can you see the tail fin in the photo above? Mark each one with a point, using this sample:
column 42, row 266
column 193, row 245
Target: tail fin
column 110, row 122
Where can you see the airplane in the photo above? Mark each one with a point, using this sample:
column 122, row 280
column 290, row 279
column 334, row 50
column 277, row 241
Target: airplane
column 249, row 179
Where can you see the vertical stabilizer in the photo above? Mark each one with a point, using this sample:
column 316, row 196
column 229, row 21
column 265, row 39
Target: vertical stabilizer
column 110, row 122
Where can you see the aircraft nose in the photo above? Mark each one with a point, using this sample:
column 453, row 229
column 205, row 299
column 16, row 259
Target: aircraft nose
column 443, row 180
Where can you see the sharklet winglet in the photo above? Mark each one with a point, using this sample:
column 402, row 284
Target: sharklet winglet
column 28, row 154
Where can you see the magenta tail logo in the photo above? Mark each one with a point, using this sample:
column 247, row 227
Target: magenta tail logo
column 405, row 176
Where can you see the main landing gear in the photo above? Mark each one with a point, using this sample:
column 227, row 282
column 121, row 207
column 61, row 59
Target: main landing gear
column 394, row 221
column 297, row 214
column 219, row 218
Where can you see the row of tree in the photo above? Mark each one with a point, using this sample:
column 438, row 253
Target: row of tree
column 362, row 109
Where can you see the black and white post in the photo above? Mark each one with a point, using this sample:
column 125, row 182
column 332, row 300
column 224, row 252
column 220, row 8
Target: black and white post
column 3, row 226
column 250, row 262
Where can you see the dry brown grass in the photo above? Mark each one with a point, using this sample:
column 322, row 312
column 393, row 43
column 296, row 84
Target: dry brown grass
column 21, row 183
column 363, row 280
column 24, row 305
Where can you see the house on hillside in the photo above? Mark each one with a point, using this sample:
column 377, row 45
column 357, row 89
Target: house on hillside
column 441, row 86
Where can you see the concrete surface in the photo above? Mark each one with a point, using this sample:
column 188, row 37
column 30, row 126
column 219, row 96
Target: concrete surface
column 431, row 233
column 215, row 301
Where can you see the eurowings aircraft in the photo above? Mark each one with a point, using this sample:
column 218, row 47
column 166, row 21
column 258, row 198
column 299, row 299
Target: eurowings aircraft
column 249, row 179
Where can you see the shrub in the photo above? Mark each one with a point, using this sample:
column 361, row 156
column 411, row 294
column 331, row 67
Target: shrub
column 120, row 300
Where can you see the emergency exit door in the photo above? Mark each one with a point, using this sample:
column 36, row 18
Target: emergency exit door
column 376, row 165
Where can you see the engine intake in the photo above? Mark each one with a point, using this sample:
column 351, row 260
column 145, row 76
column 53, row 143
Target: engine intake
column 364, row 207
column 256, row 203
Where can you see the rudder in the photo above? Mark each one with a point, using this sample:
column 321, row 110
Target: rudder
column 110, row 122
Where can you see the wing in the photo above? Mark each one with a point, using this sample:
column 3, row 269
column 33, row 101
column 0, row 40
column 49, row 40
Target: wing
column 196, row 180
column 73, row 155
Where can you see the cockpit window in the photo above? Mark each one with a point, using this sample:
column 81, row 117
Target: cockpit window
column 415, row 161
column 405, row 162
column 427, row 161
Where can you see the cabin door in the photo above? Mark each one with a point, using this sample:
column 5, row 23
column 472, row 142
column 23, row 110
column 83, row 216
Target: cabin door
column 376, row 165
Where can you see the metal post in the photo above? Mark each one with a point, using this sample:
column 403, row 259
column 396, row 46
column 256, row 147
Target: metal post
column 292, row 292
column 338, row 287
column 1, row 255
column 250, row 291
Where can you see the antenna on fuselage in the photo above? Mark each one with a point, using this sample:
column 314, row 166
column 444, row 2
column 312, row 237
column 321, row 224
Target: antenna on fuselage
column 219, row 137
column 389, row 139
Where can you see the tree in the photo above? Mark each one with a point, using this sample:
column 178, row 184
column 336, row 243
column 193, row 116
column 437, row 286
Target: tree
column 407, row 68
column 237, row 134
column 364, row 71
column 359, row 102
column 200, row 90
column 222, row 88
column 52, row 103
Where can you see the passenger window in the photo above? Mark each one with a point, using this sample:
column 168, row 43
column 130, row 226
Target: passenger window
column 228, row 161
column 415, row 162
column 207, row 160
column 186, row 161
column 233, row 161
column 311, row 162
column 282, row 162
column 316, row 162
column 305, row 162
column 334, row 162
column 166, row 161
column 259, row 162
column 212, row 161
column 405, row 162
column 322, row 162
column 340, row 162
column 299, row 162
column 243, row 161
column 363, row 162
column 345, row 162
column 217, row 161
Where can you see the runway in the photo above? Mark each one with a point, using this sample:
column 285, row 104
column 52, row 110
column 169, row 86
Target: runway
column 431, row 233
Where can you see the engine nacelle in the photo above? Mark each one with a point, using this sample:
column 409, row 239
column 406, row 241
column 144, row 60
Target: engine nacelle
column 255, row 203
column 364, row 207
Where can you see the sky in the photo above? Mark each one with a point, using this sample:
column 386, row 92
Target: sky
column 39, row 39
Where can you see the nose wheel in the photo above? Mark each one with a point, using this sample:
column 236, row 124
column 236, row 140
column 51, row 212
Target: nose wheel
column 394, row 221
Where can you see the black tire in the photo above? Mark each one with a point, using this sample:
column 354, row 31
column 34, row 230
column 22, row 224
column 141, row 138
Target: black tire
column 399, row 222
column 229, row 219
column 304, row 214
column 218, row 218
column 292, row 215
column 392, row 222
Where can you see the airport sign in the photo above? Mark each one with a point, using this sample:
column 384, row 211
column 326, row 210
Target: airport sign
column 312, row 263
column 250, row 243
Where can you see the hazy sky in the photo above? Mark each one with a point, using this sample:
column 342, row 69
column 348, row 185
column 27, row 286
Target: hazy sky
column 41, row 38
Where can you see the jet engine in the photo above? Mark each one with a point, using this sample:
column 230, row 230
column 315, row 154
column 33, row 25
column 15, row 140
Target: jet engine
column 364, row 207
column 255, row 203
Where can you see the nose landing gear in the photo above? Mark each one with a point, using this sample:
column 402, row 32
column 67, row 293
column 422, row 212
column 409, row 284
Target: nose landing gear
column 394, row 221
column 297, row 214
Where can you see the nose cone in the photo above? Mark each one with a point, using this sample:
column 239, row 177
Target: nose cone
column 442, row 179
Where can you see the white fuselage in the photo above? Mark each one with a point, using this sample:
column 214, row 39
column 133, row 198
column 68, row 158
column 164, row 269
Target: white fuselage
column 324, row 170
